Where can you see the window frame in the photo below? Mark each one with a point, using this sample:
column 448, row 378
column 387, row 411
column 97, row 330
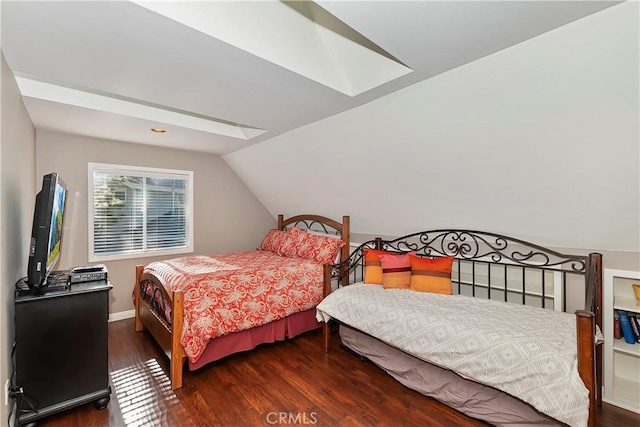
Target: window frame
column 146, row 172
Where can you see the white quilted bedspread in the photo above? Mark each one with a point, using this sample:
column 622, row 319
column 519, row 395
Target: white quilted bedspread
column 527, row 352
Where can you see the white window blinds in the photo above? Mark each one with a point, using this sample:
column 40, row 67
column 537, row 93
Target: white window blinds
column 138, row 211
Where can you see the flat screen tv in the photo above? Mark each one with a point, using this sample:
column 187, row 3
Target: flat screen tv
column 46, row 233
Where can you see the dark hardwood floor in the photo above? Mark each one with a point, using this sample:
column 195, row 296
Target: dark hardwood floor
column 290, row 382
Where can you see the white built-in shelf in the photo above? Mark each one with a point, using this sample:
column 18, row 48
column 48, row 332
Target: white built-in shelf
column 621, row 360
column 623, row 347
column 625, row 304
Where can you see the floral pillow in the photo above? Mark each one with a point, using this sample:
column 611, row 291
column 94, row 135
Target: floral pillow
column 273, row 240
column 318, row 247
column 295, row 242
column 329, row 236
column 290, row 245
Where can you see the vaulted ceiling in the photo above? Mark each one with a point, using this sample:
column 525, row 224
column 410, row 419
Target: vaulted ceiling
column 221, row 76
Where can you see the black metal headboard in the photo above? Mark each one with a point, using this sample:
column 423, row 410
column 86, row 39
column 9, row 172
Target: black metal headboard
column 494, row 266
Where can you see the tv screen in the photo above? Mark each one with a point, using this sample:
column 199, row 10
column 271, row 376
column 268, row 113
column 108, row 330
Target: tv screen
column 46, row 233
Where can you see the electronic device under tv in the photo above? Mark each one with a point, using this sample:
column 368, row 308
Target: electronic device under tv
column 46, row 233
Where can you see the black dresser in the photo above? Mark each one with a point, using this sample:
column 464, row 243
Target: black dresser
column 61, row 348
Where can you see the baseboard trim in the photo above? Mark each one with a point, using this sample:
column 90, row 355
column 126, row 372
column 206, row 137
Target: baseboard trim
column 113, row 317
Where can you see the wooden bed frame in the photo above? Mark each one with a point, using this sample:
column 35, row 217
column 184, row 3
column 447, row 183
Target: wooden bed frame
column 473, row 249
column 145, row 316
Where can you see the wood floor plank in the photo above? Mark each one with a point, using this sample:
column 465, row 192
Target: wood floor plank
column 292, row 382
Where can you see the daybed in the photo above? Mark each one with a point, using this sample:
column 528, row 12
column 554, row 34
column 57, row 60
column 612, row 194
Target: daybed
column 203, row 308
column 478, row 321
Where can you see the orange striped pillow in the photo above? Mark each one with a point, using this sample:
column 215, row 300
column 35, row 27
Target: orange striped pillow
column 372, row 266
column 396, row 271
column 431, row 274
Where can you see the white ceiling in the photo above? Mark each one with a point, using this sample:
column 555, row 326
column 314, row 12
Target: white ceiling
column 220, row 76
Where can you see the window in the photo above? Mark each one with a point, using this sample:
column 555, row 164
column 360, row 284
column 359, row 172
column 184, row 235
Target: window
column 136, row 212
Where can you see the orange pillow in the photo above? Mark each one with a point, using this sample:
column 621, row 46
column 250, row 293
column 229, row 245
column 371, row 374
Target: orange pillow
column 396, row 271
column 431, row 274
column 372, row 266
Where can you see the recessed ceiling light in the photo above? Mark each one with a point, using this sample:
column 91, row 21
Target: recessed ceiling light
column 158, row 130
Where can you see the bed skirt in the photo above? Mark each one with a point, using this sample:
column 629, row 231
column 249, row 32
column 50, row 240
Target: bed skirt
column 236, row 342
column 469, row 397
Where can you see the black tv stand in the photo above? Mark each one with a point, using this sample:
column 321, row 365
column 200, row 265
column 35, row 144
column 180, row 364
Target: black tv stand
column 61, row 348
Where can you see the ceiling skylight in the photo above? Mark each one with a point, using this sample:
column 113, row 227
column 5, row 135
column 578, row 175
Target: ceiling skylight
column 299, row 36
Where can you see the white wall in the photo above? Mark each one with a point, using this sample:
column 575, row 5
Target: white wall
column 17, row 197
column 539, row 141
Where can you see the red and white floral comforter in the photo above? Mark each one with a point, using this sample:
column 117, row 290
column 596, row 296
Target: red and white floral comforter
column 237, row 291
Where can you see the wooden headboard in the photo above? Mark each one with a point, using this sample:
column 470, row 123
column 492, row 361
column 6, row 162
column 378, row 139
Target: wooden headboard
column 320, row 224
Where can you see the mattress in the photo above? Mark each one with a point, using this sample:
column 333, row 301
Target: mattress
column 469, row 397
